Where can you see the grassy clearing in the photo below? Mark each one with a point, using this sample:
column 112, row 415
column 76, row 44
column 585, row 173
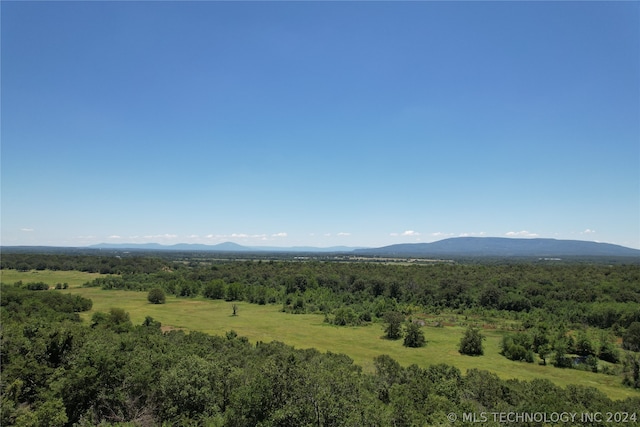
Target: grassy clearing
column 267, row 323
column 75, row 279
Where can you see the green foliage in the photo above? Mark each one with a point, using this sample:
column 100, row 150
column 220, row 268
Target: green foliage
column 117, row 320
column 156, row 296
column 593, row 295
column 631, row 337
column 388, row 373
column 234, row 291
column 632, row 370
column 394, row 320
column 19, row 303
column 560, row 358
column 214, row 289
column 39, row 286
column 345, row 316
column 518, row 347
column 608, row 351
column 543, row 352
column 115, row 372
column 471, row 342
column 84, row 263
column 149, row 322
column 191, row 389
column 58, row 372
column 591, row 362
column 414, row 336
column 583, row 345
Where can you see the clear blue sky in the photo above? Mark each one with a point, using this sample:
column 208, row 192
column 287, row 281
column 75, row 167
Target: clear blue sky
column 329, row 123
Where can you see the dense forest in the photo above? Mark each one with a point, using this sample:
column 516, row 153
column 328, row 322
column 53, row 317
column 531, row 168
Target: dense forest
column 59, row 371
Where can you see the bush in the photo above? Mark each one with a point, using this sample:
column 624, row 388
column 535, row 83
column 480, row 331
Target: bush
column 156, row 296
column 38, row 286
column 608, row 353
column 414, row 336
column 471, row 342
column 345, row 316
column 518, row 347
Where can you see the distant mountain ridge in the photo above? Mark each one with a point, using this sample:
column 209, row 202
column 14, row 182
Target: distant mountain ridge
column 453, row 247
column 221, row 247
column 504, row 247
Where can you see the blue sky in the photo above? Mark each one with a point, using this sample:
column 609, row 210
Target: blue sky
column 319, row 123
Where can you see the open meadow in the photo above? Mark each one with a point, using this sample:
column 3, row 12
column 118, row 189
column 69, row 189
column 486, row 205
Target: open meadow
column 74, row 279
column 268, row 323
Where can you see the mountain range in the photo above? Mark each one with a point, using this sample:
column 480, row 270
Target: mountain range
column 453, row 247
column 222, row 247
column 504, row 247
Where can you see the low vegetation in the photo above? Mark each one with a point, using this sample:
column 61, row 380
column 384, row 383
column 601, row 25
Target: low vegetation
column 156, row 296
column 471, row 342
column 406, row 333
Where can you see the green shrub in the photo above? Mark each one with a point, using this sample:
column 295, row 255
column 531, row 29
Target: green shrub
column 156, row 296
column 414, row 337
column 471, row 342
column 518, row 347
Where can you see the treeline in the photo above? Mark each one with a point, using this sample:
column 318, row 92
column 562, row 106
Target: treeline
column 104, row 264
column 19, row 304
column 59, row 372
column 599, row 296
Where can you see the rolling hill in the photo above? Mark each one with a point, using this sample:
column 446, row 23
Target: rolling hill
column 503, row 247
column 457, row 247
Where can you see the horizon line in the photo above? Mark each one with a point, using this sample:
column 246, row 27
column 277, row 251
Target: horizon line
column 309, row 245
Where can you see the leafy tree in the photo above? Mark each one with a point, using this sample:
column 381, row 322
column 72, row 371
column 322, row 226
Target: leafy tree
column 117, row 319
column 414, row 337
column 543, row 352
column 632, row 370
column 345, row 316
column 591, row 362
column 191, row 388
column 117, row 316
column 517, row 347
column 490, row 297
column 560, row 359
column 394, row 321
column 149, row 322
column 539, row 337
column 214, row 289
column 484, row 387
column 234, row 292
column 187, row 290
column 608, row 351
column 156, row 296
column 388, row 373
column 584, row 347
column 471, row 342
column 631, row 338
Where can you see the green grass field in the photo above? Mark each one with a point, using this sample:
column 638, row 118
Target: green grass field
column 73, row 278
column 267, row 323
